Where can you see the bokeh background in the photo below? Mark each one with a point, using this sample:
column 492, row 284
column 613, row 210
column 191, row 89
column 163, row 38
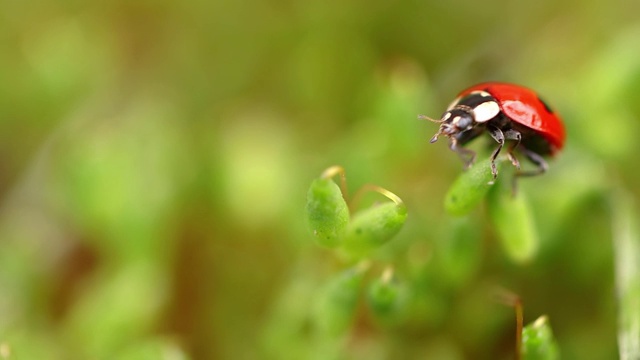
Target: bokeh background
column 155, row 159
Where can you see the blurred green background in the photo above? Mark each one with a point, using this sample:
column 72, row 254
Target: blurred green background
column 155, row 159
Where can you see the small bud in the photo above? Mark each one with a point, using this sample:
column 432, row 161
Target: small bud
column 538, row 342
column 327, row 212
column 386, row 296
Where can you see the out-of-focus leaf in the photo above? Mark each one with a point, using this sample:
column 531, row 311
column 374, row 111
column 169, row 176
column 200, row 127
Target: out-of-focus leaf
column 29, row 344
column 117, row 310
column 459, row 251
column 386, row 297
column 513, row 222
column 337, row 301
column 538, row 342
column 626, row 243
column 153, row 349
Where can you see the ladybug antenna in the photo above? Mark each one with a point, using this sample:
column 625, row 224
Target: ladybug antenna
column 439, row 121
column 425, row 117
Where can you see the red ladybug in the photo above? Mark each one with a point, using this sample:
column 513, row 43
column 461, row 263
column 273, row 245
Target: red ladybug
column 506, row 112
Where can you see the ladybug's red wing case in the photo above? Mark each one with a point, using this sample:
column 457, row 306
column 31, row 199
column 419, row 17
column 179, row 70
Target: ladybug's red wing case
column 525, row 107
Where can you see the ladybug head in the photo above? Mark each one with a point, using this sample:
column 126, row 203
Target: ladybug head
column 454, row 121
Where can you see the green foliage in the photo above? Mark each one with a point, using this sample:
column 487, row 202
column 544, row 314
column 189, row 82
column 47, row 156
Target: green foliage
column 156, row 156
column 459, row 253
column 626, row 237
column 470, row 188
column 508, row 209
column 336, row 304
column 513, row 222
column 123, row 306
column 367, row 230
column 373, row 227
column 153, row 349
column 327, row 211
column 27, row 344
column 538, row 342
column 387, row 298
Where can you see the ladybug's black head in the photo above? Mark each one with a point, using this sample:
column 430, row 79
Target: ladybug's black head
column 465, row 113
column 455, row 121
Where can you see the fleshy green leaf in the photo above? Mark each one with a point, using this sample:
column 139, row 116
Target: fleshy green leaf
column 459, row 250
column 538, row 342
column 370, row 228
column 513, row 222
column 120, row 307
column 386, row 296
column 327, row 212
column 469, row 189
column 338, row 300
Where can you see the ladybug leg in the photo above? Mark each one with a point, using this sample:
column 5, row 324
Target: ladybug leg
column 467, row 156
column 515, row 135
column 513, row 159
column 537, row 160
column 498, row 136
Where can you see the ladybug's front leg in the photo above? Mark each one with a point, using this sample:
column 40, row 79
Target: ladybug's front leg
column 467, row 156
column 515, row 135
column 498, row 136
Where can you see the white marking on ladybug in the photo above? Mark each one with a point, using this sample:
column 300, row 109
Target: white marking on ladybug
column 481, row 93
column 486, row 111
column 446, row 116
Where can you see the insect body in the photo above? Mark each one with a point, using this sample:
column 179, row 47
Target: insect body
column 506, row 112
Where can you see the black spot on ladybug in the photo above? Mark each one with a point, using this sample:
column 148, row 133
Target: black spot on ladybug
column 546, row 106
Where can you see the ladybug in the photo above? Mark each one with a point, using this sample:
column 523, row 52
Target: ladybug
column 506, row 112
